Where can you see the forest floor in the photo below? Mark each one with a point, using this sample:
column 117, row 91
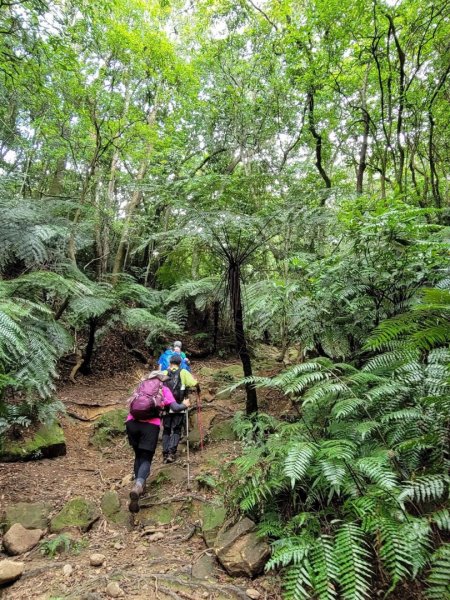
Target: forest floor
column 179, row 565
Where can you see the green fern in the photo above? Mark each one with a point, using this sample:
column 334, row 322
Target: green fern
column 354, row 562
column 439, row 576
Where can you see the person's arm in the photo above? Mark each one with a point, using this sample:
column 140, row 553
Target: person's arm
column 179, row 407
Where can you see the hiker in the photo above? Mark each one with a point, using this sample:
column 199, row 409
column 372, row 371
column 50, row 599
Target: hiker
column 163, row 360
column 143, row 424
column 185, row 362
column 179, row 381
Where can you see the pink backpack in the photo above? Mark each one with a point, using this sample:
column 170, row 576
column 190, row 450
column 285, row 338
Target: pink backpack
column 147, row 402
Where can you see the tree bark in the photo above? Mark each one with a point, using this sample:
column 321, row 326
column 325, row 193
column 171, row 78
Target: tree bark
column 89, row 351
column 234, row 286
column 318, row 138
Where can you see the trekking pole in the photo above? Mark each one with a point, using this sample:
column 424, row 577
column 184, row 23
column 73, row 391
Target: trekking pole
column 199, row 419
column 187, row 452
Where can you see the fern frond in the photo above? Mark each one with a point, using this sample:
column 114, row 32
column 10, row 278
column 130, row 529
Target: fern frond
column 298, row 460
column 353, row 560
column 439, row 577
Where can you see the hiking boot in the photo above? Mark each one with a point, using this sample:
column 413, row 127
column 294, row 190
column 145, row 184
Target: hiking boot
column 170, row 458
column 165, row 458
column 135, row 493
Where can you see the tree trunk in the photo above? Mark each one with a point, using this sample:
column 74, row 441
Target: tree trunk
column 234, row 289
column 89, row 351
column 133, row 204
column 216, row 307
column 362, row 162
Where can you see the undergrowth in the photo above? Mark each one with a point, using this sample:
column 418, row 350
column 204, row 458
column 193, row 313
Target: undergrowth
column 354, row 491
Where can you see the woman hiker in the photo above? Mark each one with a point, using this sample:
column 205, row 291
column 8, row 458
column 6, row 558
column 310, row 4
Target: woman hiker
column 143, row 424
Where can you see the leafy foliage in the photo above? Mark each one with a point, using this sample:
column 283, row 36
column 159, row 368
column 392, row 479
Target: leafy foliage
column 363, row 471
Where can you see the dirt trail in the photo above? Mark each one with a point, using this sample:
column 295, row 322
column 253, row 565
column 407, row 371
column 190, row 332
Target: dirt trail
column 178, row 566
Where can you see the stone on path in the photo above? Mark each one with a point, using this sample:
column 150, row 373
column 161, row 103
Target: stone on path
column 67, row 570
column 78, row 512
column 222, row 431
column 97, row 559
column 212, row 517
column 18, row 540
column 47, row 442
column 112, row 509
column 240, row 550
column 252, row 593
column 154, row 537
column 114, row 590
column 204, row 567
column 10, row 571
column 29, row 515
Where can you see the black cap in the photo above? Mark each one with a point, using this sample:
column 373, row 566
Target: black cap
column 175, row 359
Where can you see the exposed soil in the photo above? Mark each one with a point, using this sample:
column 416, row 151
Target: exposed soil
column 161, row 569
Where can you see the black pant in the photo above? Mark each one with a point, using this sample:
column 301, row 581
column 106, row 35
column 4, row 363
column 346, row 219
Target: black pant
column 143, row 438
column 173, row 424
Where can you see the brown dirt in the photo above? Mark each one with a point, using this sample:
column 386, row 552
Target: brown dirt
column 157, row 570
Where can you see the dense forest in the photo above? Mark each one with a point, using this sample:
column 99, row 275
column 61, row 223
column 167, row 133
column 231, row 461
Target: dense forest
column 255, row 173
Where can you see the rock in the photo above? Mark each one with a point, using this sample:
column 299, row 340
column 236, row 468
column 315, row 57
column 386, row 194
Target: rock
column 29, row 515
column 222, row 431
column 204, row 567
column 112, row 509
column 114, row 590
column 18, row 540
column 207, row 396
column 47, row 442
column 10, row 571
column 160, row 515
column 109, row 426
column 97, row 559
column 78, row 512
column 213, row 517
column 118, row 546
column 240, row 550
column 154, row 537
column 252, row 593
column 67, row 570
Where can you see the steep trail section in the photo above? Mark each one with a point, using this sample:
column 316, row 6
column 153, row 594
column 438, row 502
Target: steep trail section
column 162, row 552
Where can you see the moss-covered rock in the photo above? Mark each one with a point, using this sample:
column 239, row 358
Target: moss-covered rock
column 160, row 515
column 224, row 374
column 109, row 426
column 222, row 431
column 78, row 512
column 46, row 442
column 213, row 517
column 29, row 515
column 112, row 509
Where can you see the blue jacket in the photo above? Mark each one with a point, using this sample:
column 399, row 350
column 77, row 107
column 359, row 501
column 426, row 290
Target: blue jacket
column 164, row 361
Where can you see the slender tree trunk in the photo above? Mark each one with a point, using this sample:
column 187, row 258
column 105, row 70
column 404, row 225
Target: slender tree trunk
column 362, row 162
column 89, row 351
column 56, row 185
column 216, row 314
column 234, row 284
column 133, row 204
column 318, row 139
